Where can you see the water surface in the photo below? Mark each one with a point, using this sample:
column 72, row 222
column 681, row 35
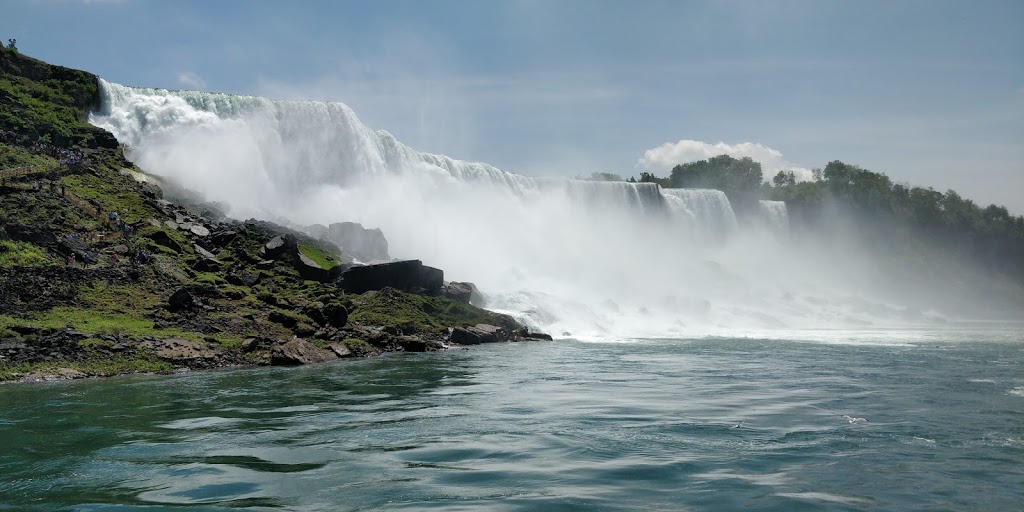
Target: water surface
column 566, row 425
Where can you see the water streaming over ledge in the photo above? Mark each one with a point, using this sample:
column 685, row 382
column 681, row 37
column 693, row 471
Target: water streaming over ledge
column 590, row 258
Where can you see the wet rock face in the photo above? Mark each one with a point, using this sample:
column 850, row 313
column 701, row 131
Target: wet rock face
column 480, row 333
column 408, row 276
column 464, row 292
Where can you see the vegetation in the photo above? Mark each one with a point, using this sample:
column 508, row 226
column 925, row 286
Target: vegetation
column 21, row 254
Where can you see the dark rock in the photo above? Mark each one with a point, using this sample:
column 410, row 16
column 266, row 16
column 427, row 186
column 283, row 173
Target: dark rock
column 409, row 276
column 463, row 292
column 335, row 315
column 365, row 244
column 299, row 351
column 265, row 264
column 310, row 270
column 286, row 320
column 480, row 333
column 182, row 300
column 524, row 334
column 206, row 265
column 253, row 344
column 279, row 245
column 222, row 238
column 163, row 239
column 152, row 190
column 315, row 313
column 33, row 234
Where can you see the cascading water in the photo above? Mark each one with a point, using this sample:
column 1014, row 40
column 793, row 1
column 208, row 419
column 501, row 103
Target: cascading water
column 775, row 215
column 591, row 258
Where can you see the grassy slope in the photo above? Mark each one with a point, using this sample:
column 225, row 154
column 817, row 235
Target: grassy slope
column 132, row 303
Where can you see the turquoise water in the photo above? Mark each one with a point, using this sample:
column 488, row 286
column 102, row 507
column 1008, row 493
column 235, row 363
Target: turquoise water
column 568, row 425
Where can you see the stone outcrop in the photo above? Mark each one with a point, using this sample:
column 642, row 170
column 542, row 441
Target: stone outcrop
column 32, row 234
column 480, row 333
column 464, row 292
column 408, row 275
column 299, row 351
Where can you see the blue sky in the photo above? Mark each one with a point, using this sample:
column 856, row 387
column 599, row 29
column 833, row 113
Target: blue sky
column 929, row 92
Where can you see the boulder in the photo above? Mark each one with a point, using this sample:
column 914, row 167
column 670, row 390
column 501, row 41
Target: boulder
column 463, row 292
column 199, row 230
column 335, row 315
column 152, row 190
column 311, row 270
column 340, row 350
column 480, row 333
column 408, row 275
column 299, row 351
column 182, row 300
column 279, row 245
column 33, row 234
column 222, row 238
column 163, row 239
column 364, row 244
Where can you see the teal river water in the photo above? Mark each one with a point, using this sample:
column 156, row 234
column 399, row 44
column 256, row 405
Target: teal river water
column 566, row 425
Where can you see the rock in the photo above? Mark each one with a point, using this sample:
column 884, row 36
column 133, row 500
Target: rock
column 310, row 270
column 163, row 239
column 33, row 234
column 222, row 238
column 182, row 349
column 206, row 265
column 281, row 245
column 480, row 333
column 199, row 230
column 466, row 293
column 340, row 350
column 335, row 315
column 119, row 249
column 365, row 244
column 203, row 252
column 286, row 320
column 182, row 300
column 253, row 344
column 152, row 190
column 243, row 278
column 524, row 334
column 299, row 351
column 171, row 224
column 265, row 264
column 409, row 276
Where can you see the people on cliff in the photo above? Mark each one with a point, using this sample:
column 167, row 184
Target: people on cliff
column 72, row 262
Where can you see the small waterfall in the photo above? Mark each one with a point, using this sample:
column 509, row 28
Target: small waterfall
column 703, row 211
column 775, row 215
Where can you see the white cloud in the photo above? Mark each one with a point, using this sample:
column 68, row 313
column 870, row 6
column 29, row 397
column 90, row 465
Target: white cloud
column 192, row 80
column 666, row 156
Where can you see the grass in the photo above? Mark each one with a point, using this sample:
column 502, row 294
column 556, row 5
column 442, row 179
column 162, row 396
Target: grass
column 409, row 313
column 95, row 322
column 15, row 156
column 104, row 367
column 319, row 256
column 21, row 254
column 114, row 194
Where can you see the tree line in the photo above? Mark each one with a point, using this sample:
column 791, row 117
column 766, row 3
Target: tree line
column 889, row 214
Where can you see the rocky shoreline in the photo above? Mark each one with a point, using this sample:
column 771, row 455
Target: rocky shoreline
column 100, row 274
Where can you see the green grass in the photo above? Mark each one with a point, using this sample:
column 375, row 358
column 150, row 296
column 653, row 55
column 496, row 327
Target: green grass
column 15, row 156
column 21, row 254
column 115, row 193
column 319, row 256
column 100, row 367
column 411, row 313
column 95, row 322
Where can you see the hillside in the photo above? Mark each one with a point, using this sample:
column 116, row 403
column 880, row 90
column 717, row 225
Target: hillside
column 100, row 275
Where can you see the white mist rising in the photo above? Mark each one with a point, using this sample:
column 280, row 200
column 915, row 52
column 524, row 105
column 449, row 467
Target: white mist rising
column 590, row 258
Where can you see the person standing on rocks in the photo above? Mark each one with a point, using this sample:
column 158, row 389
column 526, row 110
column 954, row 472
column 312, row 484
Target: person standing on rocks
column 72, row 262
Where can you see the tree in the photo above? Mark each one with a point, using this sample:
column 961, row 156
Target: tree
column 12, row 44
column 722, row 172
column 784, row 178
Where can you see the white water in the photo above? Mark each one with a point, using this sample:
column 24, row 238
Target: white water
column 590, row 258
column 775, row 215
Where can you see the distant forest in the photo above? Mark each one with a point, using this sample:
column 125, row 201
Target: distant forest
column 889, row 214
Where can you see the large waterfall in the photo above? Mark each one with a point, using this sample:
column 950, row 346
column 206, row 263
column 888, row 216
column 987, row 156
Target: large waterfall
column 590, row 258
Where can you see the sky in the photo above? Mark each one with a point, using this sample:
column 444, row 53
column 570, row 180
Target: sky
column 930, row 93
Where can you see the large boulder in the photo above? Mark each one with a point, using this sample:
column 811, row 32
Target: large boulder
column 299, row 351
column 161, row 237
column 480, row 333
column 408, row 275
column 182, row 300
column 33, row 234
column 286, row 244
column 364, row 244
column 311, row 270
column 464, row 292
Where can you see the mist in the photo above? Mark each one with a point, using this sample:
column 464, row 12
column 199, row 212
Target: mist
column 591, row 259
